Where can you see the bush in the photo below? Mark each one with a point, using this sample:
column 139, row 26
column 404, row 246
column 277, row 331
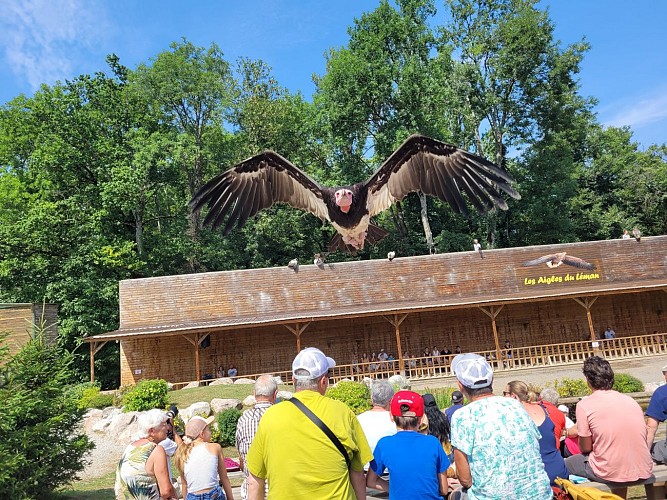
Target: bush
column 225, row 434
column 354, row 394
column 89, row 396
column 442, row 395
column 571, row 387
column 624, row 382
column 42, row 447
column 146, row 395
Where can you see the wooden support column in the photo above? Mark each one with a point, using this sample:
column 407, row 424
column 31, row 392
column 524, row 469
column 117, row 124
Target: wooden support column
column 196, row 341
column 298, row 330
column 492, row 312
column 587, row 303
column 94, row 349
column 396, row 321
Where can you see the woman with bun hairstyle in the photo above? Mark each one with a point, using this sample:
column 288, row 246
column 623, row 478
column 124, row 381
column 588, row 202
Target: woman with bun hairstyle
column 202, row 464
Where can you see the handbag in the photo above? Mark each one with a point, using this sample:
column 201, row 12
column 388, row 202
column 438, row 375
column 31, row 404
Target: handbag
column 581, row 492
column 316, row 420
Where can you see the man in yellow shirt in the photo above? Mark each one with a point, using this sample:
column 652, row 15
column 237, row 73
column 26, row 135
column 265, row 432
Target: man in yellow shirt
column 296, row 457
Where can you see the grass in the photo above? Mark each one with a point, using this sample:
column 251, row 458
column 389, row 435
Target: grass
column 185, row 397
column 91, row 489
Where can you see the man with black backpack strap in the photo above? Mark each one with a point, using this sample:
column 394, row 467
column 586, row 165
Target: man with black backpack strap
column 313, row 447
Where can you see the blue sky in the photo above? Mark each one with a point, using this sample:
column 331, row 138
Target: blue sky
column 42, row 41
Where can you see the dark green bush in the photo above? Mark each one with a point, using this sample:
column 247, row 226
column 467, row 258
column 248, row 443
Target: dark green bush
column 225, row 434
column 146, row 395
column 624, row 382
column 89, row 396
column 41, row 447
column 571, row 387
column 354, row 394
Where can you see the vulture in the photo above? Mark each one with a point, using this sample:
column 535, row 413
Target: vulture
column 419, row 164
column 556, row 259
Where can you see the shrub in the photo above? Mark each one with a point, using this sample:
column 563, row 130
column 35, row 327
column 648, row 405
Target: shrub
column 225, row 434
column 146, row 395
column 442, row 395
column 624, row 382
column 354, row 394
column 89, row 396
column 571, row 387
column 42, row 447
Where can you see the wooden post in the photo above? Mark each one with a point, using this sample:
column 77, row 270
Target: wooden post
column 396, row 322
column 94, row 349
column 298, row 330
column 492, row 313
column 587, row 303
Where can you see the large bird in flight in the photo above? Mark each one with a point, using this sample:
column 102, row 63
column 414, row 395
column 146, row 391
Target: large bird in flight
column 419, row 164
column 556, row 259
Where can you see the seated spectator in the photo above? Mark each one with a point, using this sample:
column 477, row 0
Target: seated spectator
column 549, row 399
column 377, row 422
column 458, row 350
column 495, row 442
column 549, row 449
column 219, row 372
column 375, row 364
column 382, row 356
column 416, row 462
column 457, row 403
column 232, row 372
column 612, row 433
column 569, row 444
column 655, row 414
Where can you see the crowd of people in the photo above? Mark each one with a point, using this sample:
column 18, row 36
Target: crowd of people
column 483, row 446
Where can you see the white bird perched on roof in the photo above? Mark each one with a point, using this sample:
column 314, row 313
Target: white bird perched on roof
column 391, row 255
column 318, row 259
column 293, row 264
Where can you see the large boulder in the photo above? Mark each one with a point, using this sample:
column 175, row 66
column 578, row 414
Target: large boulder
column 285, row 394
column 222, row 381
column 200, row 408
column 244, row 381
column 249, row 400
column 123, row 427
column 220, row 404
column 399, row 381
column 191, row 385
column 278, row 380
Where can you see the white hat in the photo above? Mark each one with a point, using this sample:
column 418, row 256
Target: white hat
column 564, row 409
column 472, row 370
column 313, row 361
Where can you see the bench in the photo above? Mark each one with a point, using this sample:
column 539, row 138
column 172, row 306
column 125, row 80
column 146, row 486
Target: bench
column 654, row 485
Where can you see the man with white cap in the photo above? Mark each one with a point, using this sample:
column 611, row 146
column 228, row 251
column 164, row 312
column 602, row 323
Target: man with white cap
column 295, row 454
column 655, row 414
column 495, row 442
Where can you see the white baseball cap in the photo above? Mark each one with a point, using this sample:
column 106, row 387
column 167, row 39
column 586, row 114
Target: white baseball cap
column 313, row 361
column 472, row 370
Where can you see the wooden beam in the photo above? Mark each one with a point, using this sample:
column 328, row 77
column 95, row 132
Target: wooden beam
column 298, row 330
column 587, row 303
column 492, row 313
column 396, row 322
column 94, row 349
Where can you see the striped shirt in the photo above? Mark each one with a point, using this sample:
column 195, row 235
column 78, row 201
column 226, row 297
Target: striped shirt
column 245, row 432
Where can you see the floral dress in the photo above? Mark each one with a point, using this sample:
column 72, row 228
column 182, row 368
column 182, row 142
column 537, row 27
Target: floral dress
column 132, row 480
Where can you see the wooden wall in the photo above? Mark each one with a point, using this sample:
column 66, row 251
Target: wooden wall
column 272, row 348
column 19, row 320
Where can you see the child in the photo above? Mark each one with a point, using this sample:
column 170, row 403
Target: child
column 201, row 463
column 416, row 462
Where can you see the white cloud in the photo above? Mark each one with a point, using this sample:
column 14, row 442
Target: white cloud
column 642, row 112
column 46, row 40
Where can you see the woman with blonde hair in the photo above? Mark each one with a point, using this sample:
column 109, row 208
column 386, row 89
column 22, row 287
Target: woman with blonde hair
column 142, row 471
column 202, row 464
column 551, row 457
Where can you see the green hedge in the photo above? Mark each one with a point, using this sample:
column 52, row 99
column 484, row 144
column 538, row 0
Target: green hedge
column 354, row 394
column 146, row 395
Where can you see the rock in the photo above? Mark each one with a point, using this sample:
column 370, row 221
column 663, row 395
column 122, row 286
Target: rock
column 650, row 387
column 249, row 400
column 399, row 381
column 123, row 427
column 222, row 381
column 278, row 380
column 110, row 412
column 191, row 385
column 93, row 413
column 219, row 404
column 368, row 381
column 201, row 408
column 244, row 381
column 285, row 394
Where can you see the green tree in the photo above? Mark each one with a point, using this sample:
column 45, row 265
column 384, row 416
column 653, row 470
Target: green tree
column 41, row 447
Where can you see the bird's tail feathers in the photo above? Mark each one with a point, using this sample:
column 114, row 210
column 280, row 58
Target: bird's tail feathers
column 375, row 234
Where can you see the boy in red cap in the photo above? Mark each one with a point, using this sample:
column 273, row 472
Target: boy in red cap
column 416, row 462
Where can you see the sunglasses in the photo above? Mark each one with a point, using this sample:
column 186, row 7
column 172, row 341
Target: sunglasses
column 507, row 393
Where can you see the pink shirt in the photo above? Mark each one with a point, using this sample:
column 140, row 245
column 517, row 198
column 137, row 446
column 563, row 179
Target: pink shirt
column 616, row 424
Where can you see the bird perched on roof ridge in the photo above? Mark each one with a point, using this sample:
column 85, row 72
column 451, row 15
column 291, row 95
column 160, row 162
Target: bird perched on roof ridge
column 391, row 255
column 556, row 259
column 637, row 234
column 319, row 259
column 294, row 264
column 419, row 164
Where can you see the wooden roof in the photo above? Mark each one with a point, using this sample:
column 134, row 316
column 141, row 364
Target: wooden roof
column 206, row 302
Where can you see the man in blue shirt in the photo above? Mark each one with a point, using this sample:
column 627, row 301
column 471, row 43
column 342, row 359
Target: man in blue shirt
column 656, row 413
column 457, row 403
column 416, row 462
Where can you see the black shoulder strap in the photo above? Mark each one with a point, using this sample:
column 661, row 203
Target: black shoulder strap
column 316, row 420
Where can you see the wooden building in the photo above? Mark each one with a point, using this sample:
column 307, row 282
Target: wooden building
column 19, row 321
column 258, row 319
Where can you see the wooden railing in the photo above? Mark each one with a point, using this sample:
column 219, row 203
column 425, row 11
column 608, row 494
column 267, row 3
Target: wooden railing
column 430, row 367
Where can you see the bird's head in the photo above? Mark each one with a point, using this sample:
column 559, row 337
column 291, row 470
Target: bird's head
column 343, row 199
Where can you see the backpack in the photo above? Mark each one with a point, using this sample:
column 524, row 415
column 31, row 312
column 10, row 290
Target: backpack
column 581, row 492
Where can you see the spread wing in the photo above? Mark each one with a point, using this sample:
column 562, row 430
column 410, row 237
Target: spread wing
column 256, row 184
column 577, row 262
column 541, row 260
column 440, row 170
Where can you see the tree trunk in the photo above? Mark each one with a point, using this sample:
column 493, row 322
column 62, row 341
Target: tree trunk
column 426, row 224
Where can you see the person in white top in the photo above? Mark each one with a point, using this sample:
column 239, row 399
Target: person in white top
column 201, row 463
column 377, row 422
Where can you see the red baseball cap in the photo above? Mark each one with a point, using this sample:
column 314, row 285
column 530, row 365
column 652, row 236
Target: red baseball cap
column 407, row 404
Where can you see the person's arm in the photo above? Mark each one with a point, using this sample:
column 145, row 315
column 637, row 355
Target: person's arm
column 358, row 483
column 585, row 444
column 222, row 470
column 255, row 487
column 161, row 472
column 572, row 431
column 376, row 482
column 651, row 429
column 462, row 468
column 444, row 485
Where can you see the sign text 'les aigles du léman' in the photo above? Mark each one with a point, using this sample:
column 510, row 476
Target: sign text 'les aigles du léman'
column 568, row 277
